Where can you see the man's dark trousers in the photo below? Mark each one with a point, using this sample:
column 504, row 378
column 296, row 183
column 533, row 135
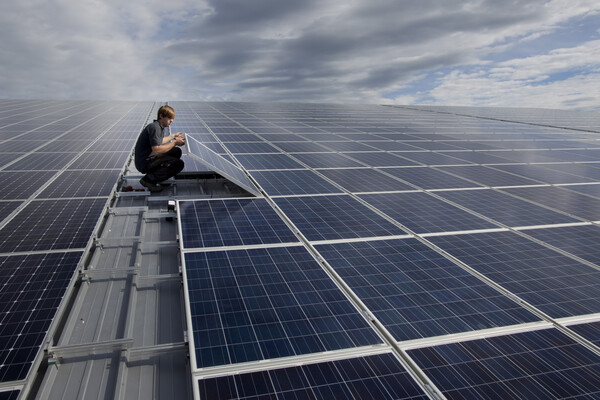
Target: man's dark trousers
column 161, row 168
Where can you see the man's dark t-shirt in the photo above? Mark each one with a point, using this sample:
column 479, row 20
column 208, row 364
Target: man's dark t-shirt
column 151, row 135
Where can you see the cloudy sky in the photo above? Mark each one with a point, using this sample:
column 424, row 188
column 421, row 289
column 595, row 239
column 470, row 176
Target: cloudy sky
column 527, row 53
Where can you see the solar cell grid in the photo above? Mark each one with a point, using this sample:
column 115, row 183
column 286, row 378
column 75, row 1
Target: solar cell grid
column 90, row 183
column 250, row 147
column 488, row 176
column 554, row 283
column 428, row 178
column 21, row 185
column 208, row 157
column 267, row 303
column 292, row 182
column 335, row 217
column 101, row 160
column 232, row 222
column 415, row 292
column 505, row 209
column 51, row 225
column 542, row 364
column 380, row 159
column 378, row 376
column 423, row 213
column 581, row 241
column 42, row 161
column 364, row 180
column 326, row 160
column 32, row 289
column 301, row 147
column 541, row 174
column 267, row 161
column 560, row 199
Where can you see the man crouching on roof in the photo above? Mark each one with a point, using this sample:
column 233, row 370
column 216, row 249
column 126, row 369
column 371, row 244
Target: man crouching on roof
column 157, row 155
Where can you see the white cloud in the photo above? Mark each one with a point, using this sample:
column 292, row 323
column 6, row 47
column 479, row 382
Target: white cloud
column 268, row 50
column 525, row 81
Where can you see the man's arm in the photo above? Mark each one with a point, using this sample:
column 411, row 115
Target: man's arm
column 168, row 142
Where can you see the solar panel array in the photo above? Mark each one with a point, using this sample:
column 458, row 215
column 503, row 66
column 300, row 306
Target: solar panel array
column 59, row 164
column 398, row 251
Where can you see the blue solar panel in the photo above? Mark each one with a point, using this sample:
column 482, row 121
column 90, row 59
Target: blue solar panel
column 488, row 176
column 32, row 289
column 591, row 171
column 82, row 184
column 431, row 158
column 378, row 377
column 590, row 331
column 51, row 225
column 326, row 160
column 505, row 209
column 250, row 147
column 556, row 284
column 479, row 157
column 21, row 185
column 335, row 217
column 581, row 241
column 391, row 146
column 428, row 178
column 220, row 165
column 416, row 292
column 541, row 174
column 267, row 161
column 302, row 147
column 542, row 364
column 46, row 161
column 101, row 160
column 569, row 202
column 423, row 213
column 380, row 159
column 590, row 190
column 267, row 303
column 277, row 183
column 364, row 180
column 346, row 146
column 232, row 222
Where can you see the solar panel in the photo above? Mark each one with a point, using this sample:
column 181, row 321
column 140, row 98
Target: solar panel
column 428, row 178
column 554, row 283
column 233, row 222
column 335, row 217
column 581, row 206
column 377, row 377
column 415, row 292
column 505, row 209
column 21, row 185
column 543, row 364
column 581, row 241
column 267, row 161
column 49, row 161
column 32, row 289
column 544, row 175
column 219, row 164
column 364, row 180
column 488, row 176
column 259, row 304
column 92, row 183
column 380, row 159
column 277, row 183
column 101, row 160
column 326, row 160
column 423, row 213
column 590, row 331
column 51, row 225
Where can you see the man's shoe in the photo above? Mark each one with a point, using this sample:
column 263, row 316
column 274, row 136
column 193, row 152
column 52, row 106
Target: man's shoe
column 153, row 187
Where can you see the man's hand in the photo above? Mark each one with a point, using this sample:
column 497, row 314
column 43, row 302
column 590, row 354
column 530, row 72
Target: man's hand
column 179, row 139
